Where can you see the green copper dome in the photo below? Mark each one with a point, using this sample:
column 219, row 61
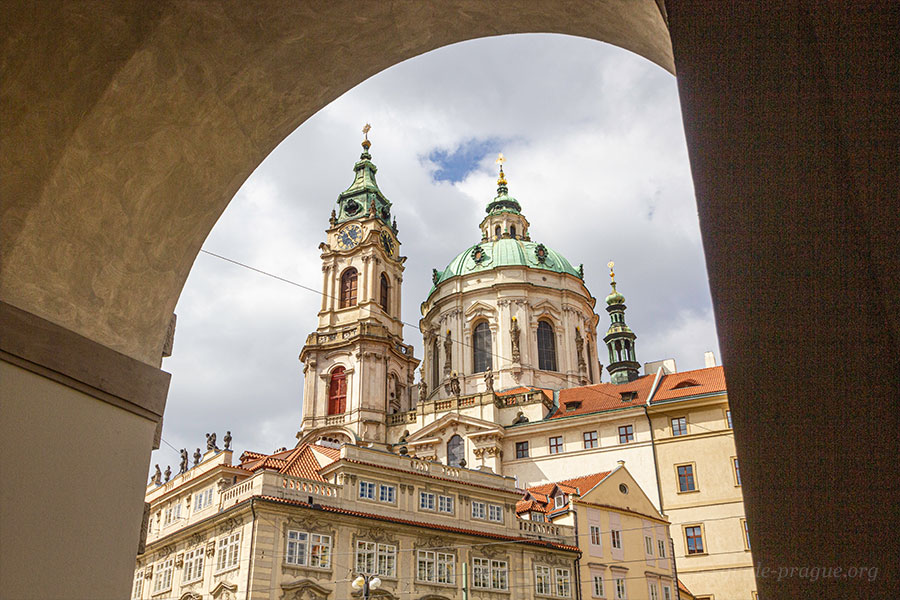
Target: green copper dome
column 363, row 199
column 505, row 252
column 615, row 297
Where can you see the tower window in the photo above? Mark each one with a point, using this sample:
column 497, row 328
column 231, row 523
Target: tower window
column 497, row 232
column 384, row 293
column 482, row 348
column 512, row 231
column 546, row 342
column 455, row 451
column 435, row 364
column 337, row 392
column 348, row 288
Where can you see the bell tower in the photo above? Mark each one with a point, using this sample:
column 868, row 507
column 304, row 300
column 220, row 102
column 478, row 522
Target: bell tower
column 623, row 366
column 356, row 368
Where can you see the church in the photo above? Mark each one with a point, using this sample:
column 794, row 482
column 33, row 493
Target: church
column 511, row 381
column 508, row 465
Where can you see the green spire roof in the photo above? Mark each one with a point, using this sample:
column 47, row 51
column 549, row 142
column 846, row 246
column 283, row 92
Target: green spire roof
column 363, row 199
column 503, row 202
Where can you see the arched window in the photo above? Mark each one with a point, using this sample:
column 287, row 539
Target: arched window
column 455, row 451
column 384, row 293
column 481, row 348
column 348, row 288
column 435, row 364
column 512, row 231
column 546, row 347
column 337, row 392
column 497, row 231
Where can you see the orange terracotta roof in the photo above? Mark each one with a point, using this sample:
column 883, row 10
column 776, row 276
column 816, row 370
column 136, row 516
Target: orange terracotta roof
column 541, row 493
column 690, row 383
column 602, row 396
column 476, row 532
column 300, row 461
column 683, row 588
column 524, row 390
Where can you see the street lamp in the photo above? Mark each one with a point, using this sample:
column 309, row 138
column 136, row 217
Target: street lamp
column 366, row 583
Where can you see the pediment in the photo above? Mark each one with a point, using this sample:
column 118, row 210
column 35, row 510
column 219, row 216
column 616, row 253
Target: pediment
column 545, row 307
column 304, row 589
column 479, row 308
column 224, row 591
column 464, row 425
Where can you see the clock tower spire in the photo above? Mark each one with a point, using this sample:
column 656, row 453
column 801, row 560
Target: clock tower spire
column 357, row 370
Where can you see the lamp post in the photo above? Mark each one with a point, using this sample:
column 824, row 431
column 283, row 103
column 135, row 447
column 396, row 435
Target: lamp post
column 366, row 583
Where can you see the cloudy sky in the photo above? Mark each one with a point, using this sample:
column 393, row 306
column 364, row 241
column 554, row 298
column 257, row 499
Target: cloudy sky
column 595, row 155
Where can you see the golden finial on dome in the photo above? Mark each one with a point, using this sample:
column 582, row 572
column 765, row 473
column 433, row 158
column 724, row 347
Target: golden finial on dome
column 612, row 275
column 366, row 143
column 500, row 160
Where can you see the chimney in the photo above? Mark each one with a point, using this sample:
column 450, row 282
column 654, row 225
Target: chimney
column 621, row 463
column 710, row 359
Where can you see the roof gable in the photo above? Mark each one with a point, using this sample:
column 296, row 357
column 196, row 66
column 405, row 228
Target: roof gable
column 691, row 383
column 470, row 425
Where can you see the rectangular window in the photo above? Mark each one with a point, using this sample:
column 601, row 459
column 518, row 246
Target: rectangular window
column 521, row 449
column 597, row 581
column 495, row 513
column 542, row 579
column 387, row 493
column 536, row 516
column 193, row 565
column 559, row 501
column 667, row 593
column 426, row 501
column 590, row 439
column 499, row 575
column 387, row 560
column 297, row 547
column 478, row 510
column 203, row 499
column 163, row 576
column 365, row 557
column 679, row 426
column 138, row 590
column 694, row 537
column 367, row 490
column 737, row 471
column 746, row 531
column 615, row 538
column 648, row 542
column 173, row 513
column 620, row 587
column 626, row 434
column 436, row 567
column 728, row 418
column 319, row 551
column 481, row 573
column 556, row 444
column 596, row 537
column 662, row 548
column 227, row 551
column 563, row 583
column 654, row 590
column 445, row 504
column 686, row 478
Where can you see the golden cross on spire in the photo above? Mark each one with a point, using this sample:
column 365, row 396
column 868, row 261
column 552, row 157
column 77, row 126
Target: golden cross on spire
column 366, row 130
column 612, row 275
column 500, row 160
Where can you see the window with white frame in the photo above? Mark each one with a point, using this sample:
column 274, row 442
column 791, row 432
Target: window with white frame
column 387, row 493
column 648, row 542
column 367, row 490
column 172, row 513
column 596, row 536
column 481, row 573
column 662, row 548
column 227, row 550
column 376, row 559
column 620, row 587
column 426, row 501
column 559, row 501
column 445, row 504
column 297, row 552
column 654, row 589
column 538, row 516
column 499, row 575
column 478, row 510
column 319, row 551
column 138, row 590
column 203, row 499
column 436, row 567
column 597, row 586
column 563, row 583
column 193, row 565
column 162, row 576
column 495, row 513
column 542, row 580
column 667, row 592
column 616, row 538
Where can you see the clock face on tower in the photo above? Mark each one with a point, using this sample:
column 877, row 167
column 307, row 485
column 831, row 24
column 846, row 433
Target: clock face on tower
column 349, row 237
column 388, row 242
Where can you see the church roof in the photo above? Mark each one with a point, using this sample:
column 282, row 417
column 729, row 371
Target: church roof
column 505, row 252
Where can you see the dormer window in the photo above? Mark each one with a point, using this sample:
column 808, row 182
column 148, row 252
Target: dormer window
column 628, row 396
column 559, row 501
column 573, row 405
column 685, row 384
column 537, row 516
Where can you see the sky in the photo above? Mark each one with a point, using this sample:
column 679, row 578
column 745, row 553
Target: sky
column 595, row 154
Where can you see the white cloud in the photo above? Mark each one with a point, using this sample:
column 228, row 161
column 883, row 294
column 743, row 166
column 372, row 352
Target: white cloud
column 596, row 155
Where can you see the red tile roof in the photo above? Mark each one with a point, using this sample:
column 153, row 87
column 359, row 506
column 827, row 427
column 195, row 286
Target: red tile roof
column 690, row 383
column 602, row 396
column 539, row 500
column 477, row 532
column 296, row 462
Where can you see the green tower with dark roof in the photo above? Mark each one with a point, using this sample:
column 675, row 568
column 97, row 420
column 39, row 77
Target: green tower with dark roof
column 363, row 199
column 623, row 366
